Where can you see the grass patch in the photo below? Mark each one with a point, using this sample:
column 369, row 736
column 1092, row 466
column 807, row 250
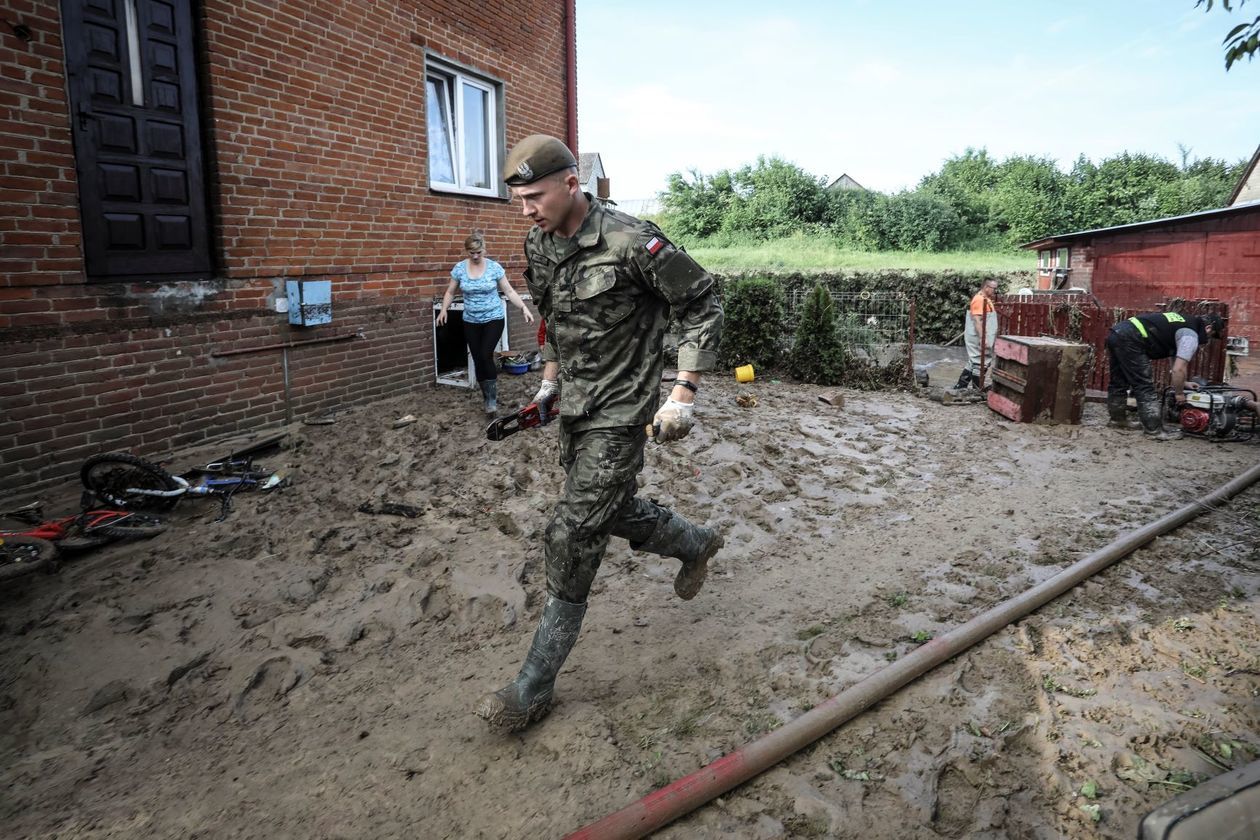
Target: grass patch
column 818, row 253
column 1053, row 686
column 761, row 723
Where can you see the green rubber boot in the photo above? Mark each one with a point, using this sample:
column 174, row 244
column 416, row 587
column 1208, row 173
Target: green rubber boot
column 1152, row 414
column 1118, row 411
column 528, row 697
column 674, row 536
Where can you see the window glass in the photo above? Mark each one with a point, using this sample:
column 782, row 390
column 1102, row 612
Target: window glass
column 465, row 143
column 476, row 131
column 1063, row 258
column 441, row 163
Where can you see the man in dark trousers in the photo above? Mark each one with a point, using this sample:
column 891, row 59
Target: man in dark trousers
column 607, row 285
column 1133, row 343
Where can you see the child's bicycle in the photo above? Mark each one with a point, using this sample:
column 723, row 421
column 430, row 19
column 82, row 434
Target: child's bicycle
column 21, row 556
column 29, row 549
column 132, row 483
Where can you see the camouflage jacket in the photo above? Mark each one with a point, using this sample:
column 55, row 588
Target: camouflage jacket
column 607, row 296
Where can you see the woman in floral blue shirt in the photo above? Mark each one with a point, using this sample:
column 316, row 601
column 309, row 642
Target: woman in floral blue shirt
column 480, row 280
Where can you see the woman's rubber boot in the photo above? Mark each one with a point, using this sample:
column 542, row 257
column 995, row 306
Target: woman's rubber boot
column 1152, row 414
column 674, row 536
column 490, row 394
column 528, row 697
column 964, row 380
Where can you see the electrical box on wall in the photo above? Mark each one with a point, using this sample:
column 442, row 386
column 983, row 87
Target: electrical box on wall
column 310, row 302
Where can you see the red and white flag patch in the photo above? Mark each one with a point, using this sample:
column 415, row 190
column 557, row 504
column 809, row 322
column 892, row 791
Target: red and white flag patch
column 654, row 245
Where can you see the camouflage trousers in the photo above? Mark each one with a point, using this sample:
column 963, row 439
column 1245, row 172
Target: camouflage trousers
column 599, row 502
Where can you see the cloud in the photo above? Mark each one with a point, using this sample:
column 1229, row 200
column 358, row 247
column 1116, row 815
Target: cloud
column 1191, row 22
column 1063, row 25
column 876, row 74
column 836, row 88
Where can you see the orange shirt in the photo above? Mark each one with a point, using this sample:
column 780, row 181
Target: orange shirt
column 980, row 305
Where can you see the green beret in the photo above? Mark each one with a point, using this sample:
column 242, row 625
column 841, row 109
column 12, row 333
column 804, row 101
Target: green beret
column 537, row 156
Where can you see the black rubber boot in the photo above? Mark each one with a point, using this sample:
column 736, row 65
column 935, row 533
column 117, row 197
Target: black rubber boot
column 490, row 394
column 1152, row 414
column 528, row 697
column 964, row 380
column 1118, row 412
column 674, row 536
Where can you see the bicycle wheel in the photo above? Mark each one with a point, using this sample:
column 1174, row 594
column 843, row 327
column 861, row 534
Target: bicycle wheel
column 20, row 556
column 81, row 543
column 131, row 526
column 110, row 476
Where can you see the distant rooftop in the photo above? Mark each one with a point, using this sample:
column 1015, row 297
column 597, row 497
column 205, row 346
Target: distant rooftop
column 586, row 164
column 640, row 207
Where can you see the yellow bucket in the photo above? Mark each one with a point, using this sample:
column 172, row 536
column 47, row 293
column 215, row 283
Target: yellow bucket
column 744, row 373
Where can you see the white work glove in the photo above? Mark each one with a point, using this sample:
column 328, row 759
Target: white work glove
column 547, row 394
column 672, row 422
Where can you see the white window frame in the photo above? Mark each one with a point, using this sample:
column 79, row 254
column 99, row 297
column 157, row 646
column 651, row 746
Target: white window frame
column 458, row 77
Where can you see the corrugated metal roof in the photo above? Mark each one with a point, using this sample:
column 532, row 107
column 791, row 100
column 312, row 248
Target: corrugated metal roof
column 1188, row 217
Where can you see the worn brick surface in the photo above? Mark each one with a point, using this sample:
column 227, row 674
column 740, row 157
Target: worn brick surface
column 317, row 169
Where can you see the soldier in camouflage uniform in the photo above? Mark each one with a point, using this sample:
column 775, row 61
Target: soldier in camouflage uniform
column 605, row 283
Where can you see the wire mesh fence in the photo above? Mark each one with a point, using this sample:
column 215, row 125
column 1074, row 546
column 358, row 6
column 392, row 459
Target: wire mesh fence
column 871, row 324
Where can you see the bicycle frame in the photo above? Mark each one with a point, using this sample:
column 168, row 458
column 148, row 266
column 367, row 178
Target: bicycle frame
column 209, row 486
column 55, row 530
column 219, row 478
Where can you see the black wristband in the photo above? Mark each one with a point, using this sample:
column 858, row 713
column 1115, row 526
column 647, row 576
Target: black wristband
column 690, row 386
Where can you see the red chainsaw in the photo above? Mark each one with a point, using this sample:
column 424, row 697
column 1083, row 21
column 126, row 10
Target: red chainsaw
column 527, row 418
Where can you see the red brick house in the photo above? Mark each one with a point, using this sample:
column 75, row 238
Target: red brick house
column 169, row 166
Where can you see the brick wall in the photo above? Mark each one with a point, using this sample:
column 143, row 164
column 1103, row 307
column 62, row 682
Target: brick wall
column 314, row 122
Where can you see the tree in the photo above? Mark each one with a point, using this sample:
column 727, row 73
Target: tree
column 818, row 356
column 1243, row 39
column 1118, row 191
column 695, row 206
column 920, row 221
column 1029, row 199
column 966, row 181
column 1204, row 185
column 774, row 198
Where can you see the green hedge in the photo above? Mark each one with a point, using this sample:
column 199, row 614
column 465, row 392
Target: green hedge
column 940, row 298
column 753, row 331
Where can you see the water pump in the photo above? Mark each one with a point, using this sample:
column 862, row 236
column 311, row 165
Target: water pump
column 1216, row 412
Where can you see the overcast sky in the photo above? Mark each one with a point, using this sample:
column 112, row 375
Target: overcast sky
column 886, row 91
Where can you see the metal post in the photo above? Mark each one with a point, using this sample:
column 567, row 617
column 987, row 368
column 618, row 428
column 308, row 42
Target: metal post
column 284, row 367
column 911, row 342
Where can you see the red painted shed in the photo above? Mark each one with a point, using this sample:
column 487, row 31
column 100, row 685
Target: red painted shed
column 1212, row 254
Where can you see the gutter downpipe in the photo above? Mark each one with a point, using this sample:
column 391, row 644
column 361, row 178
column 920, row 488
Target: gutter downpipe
column 570, row 74
column 684, row 795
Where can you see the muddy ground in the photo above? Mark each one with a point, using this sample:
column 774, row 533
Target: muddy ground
column 307, row 670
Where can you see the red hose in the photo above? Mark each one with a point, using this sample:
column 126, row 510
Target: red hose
column 683, row 796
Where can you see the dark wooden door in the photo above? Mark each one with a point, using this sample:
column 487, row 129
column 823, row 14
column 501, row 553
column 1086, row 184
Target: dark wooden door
column 132, row 76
